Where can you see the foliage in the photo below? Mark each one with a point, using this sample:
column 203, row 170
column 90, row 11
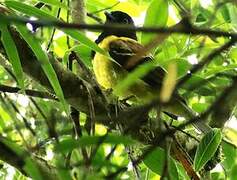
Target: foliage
column 41, row 139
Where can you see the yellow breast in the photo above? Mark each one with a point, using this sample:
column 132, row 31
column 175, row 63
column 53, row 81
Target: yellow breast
column 109, row 74
column 106, row 71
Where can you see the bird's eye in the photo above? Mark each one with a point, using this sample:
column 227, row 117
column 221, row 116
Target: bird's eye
column 125, row 21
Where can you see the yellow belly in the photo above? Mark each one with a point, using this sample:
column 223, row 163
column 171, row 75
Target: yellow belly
column 109, row 74
column 106, row 71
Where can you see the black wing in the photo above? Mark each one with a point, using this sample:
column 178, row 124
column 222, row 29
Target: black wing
column 122, row 52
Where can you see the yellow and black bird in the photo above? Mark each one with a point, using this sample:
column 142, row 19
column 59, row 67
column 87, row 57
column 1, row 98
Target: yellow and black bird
column 122, row 46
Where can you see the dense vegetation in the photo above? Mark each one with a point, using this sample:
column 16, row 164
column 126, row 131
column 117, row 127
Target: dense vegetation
column 56, row 123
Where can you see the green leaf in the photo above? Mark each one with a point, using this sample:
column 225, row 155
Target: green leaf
column 75, row 34
column 181, row 171
column 96, row 4
column 79, row 36
column 225, row 13
column 156, row 161
column 200, row 86
column 200, row 107
column 13, row 146
column 230, row 153
column 220, row 69
column 182, row 65
column 44, row 60
column 233, row 173
column 133, row 77
column 4, row 116
column 207, row 148
column 70, row 144
column 63, row 173
column 12, row 54
column 233, row 13
column 233, row 53
column 218, row 176
column 156, row 15
column 29, row 10
column 30, row 166
column 32, row 169
column 83, row 52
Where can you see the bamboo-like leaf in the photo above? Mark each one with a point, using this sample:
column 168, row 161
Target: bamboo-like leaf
column 46, row 65
column 133, row 77
column 28, row 10
column 33, row 11
column 12, row 54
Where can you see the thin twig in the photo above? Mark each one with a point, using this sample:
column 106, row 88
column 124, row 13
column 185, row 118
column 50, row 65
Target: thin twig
column 27, row 124
column 206, row 60
column 107, row 8
column 97, row 19
column 169, row 132
column 54, row 29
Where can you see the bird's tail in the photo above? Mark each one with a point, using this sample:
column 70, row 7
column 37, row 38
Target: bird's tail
column 180, row 108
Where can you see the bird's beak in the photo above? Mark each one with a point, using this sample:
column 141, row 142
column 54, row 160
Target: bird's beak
column 109, row 16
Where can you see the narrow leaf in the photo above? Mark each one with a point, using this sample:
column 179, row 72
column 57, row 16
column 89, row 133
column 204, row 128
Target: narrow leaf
column 33, row 11
column 207, row 148
column 12, row 54
column 133, row 77
column 28, row 10
column 46, row 65
column 77, row 35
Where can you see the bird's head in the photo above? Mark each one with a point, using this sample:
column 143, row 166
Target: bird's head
column 117, row 17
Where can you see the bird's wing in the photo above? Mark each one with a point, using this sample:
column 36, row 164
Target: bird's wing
column 122, row 50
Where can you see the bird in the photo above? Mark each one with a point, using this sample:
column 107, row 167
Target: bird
column 121, row 47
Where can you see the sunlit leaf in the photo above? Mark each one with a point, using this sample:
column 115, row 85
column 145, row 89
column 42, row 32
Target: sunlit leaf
column 230, row 152
column 12, row 53
column 44, row 60
column 33, row 11
column 207, row 148
column 156, row 15
column 133, row 77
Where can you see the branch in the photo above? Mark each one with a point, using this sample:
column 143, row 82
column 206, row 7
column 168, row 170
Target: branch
column 206, row 60
column 76, row 91
column 193, row 30
column 78, row 11
column 28, row 92
column 18, row 160
column 224, row 106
